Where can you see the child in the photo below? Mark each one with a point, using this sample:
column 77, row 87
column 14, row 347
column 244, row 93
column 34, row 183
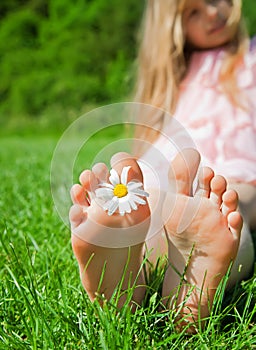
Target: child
column 195, row 61
column 184, row 44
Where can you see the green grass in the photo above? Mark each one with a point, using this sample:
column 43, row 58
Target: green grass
column 42, row 303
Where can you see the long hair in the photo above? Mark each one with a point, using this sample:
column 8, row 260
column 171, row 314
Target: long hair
column 163, row 60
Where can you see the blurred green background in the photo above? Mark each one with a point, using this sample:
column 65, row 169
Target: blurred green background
column 61, row 58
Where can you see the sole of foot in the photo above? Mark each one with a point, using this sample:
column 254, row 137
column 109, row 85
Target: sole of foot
column 203, row 231
column 111, row 243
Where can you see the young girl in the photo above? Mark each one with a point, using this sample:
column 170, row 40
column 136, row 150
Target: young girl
column 193, row 62
column 196, row 62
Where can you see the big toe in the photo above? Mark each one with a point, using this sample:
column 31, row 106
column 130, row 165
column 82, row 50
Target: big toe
column 183, row 170
column 123, row 159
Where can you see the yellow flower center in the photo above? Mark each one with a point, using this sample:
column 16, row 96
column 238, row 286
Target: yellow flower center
column 120, row 190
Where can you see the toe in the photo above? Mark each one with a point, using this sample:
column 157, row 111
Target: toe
column 88, row 180
column 76, row 216
column 204, row 179
column 101, row 172
column 218, row 187
column 235, row 222
column 121, row 160
column 78, row 195
column 230, row 202
column 183, row 170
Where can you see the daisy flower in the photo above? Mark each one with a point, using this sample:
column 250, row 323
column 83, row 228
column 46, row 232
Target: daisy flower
column 120, row 195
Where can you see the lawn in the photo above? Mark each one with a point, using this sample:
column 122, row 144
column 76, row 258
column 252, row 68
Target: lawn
column 42, row 303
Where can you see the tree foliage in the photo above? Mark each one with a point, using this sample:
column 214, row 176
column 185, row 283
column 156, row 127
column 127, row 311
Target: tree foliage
column 65, row 52
column 68, row 53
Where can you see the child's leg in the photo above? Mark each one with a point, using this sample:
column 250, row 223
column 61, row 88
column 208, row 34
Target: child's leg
column 243, row 263
column 247, row 201
column 90, row 223
column 247, row 205
column 207, row 226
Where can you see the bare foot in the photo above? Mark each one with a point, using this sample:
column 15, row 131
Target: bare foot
column 203, row 233
column 105, row 245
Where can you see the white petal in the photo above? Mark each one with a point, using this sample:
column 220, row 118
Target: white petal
column 124, row 174
column 104, row 193
column 105, row 184
column 113, row 205
column 114, row 178
column 137, row 199
column 124, row 206
column 107, row 205
column 133, row 184
column 133, row 205
column 140, row 192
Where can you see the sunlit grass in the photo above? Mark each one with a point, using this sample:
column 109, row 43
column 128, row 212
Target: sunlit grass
column 42, row 303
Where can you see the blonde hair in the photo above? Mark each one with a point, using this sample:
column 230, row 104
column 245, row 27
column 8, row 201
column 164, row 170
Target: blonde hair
column 163, row 60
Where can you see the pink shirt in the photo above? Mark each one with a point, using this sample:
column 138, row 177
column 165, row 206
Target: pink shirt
column 224, row 134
